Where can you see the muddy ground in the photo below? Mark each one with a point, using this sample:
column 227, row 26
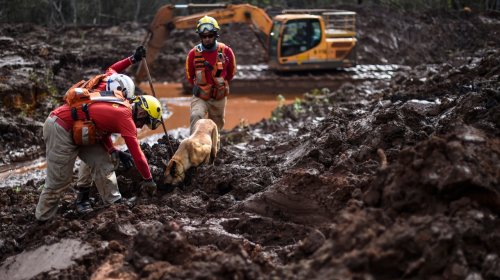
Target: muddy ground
column 374, row 180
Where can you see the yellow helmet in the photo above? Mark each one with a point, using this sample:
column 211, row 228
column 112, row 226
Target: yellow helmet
column 152, row 107
column 207, row 24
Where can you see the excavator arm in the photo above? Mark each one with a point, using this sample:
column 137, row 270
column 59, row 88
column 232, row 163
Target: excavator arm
column 164, row 22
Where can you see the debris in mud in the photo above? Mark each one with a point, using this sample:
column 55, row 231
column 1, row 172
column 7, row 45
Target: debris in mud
column 343, row 184
column 44, row 259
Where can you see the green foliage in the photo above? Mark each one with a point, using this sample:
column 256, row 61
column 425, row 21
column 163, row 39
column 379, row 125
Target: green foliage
column 49, row 82
column 277, row 113
column 46, row 82
column 297, row 106
column 318, row 95
column 43, row 89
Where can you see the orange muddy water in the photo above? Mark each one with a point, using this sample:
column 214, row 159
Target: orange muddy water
column 240, row 109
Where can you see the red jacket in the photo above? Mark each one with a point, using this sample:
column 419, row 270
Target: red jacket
column 111, row 118
column 115, row 68
column 211, row 57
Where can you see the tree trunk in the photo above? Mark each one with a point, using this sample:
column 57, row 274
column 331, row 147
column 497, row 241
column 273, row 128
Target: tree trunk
column 75, row 11
column 137, row 10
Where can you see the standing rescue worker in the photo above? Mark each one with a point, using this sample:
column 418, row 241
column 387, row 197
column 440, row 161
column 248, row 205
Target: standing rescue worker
column 210, row 65
column 110, row 80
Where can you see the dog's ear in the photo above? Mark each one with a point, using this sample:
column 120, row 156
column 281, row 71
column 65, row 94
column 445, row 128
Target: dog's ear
column 173, row 168
column 164, row 162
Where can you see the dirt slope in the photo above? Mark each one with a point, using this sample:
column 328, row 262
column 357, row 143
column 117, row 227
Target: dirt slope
column 373, row 181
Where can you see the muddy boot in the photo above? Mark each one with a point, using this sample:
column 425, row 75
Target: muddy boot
column 128, row 202
column 82, row 201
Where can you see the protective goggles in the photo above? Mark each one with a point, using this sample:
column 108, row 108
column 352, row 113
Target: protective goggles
column 206, row 27
column 153, row 123
column 149, row 121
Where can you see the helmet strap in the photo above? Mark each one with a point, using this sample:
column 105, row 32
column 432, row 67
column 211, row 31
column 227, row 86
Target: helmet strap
column 136, row 105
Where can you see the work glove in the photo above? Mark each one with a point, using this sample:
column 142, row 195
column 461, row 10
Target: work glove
column 148, row 187
column 125, row 158
column 140, row 52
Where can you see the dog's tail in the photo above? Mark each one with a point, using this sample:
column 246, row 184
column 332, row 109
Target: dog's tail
column 215, row 144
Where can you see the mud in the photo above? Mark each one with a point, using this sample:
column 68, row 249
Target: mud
column 382, row 179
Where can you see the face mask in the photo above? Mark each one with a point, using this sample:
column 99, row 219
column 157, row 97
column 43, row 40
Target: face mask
column 153, row 123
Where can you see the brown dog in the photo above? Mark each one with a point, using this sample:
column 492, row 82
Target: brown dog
column 200, row 147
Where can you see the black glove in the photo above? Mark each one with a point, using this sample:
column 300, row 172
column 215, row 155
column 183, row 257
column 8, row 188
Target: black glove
column 125, row 158
column 148, row 187
column 140, row 52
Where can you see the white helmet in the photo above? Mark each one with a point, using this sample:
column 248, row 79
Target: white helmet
column 122, row 83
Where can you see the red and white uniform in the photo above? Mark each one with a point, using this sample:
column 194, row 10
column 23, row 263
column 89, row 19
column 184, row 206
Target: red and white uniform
column 61, row 152
column 111, row 118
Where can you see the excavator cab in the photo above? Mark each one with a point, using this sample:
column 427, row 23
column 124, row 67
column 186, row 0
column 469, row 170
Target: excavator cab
column 291, row 42
column 301, row 41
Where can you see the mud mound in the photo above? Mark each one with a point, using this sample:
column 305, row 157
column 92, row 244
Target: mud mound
column 428, row 37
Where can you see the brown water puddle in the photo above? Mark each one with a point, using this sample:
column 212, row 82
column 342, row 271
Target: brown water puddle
column 240, row 109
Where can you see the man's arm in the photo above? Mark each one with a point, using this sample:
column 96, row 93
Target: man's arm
column 123, row 64
column 190, row 71
column 119, row 66
column 231, row 65
column 139, row 158
column 108, row 144
column 128, row 131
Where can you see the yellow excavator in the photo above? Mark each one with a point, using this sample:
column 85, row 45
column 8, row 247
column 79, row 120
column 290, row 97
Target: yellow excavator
column 295, row 40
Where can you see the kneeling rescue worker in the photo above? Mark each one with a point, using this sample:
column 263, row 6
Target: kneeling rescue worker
column 82, row 127
column 210, row 65
column 112, row 79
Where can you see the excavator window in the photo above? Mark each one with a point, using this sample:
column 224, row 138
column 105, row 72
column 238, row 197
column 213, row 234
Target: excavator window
column 273, row 40
column 300, row 36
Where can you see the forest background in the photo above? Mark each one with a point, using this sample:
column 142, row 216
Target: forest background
column 62, row 13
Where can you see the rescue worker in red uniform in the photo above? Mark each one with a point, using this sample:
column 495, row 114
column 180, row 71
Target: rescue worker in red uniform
column 112, row 80
column 210, row 65
column 99, row 160
column 122, row 118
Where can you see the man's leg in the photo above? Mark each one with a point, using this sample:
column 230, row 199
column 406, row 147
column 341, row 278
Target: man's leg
column 102, row 171
column 198, row 111
column 83, row 189
column 61, row 155
column 217, row 112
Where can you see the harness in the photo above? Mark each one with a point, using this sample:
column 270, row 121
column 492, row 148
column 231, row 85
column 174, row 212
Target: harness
column 204, row 89
column 79, row 97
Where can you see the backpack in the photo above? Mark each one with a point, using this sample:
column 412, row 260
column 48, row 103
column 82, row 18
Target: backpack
column 79, row 97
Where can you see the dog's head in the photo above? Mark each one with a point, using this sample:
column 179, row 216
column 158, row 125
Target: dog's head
column 174, row 172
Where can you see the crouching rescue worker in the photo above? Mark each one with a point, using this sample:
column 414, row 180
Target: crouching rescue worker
column 110, row 80
column 82, row 128
column 210, row 65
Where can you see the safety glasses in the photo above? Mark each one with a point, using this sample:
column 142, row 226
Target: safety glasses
column 206, row 27
column 149, row 122
column 153, row 123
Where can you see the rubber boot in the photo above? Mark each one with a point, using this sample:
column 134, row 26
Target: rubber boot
column 82, row 201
